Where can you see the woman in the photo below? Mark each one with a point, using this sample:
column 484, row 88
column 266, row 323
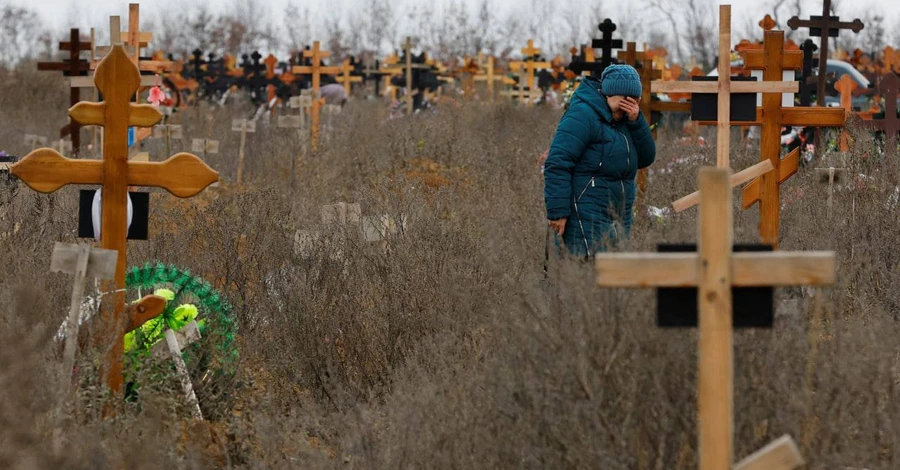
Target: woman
column 599, row 145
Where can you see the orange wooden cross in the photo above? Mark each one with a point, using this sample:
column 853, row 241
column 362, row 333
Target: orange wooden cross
column 184, row 175
column 773, row 60
column 316, row 70
column 845, row 86
column 490, row 75
column 891, row 60
column 346, row 78
column 767, row 23
column 528, row 66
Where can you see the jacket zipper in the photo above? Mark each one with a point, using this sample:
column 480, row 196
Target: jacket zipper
column 627, row 160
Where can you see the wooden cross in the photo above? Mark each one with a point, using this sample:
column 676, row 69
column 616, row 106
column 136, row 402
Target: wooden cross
column 169, row 132
column 184, row 175
column 890, row 125
column 606, row 44
column 830, row 176
column 74, row 66
column 243, row 126
column 767, row 23
column 346, row 78
column 35, row 140
column 824, row 27
column 490, row 76
column 724, row 87
column 891, row 60
column 846, row 86
column 773, row 60
column 407, row 51
column 714, row 269
column 315, row 69
column 116, row 37
column 809, row 63
column 206, row 146
column 585, row 63
column 528, row 66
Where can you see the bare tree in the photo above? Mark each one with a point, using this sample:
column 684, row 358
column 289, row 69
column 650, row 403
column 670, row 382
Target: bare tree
column 20, row 34
column 484, row 39
column 701, row 31
column 297, row 27
column 669, row 10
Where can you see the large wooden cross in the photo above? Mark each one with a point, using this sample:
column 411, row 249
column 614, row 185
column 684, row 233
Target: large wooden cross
column 890, row 125
column 315, row 70
column 724, row 87
column 714, row 270
column 184, row 175
column 74, row 66
column 773, row 60
column 825, row 26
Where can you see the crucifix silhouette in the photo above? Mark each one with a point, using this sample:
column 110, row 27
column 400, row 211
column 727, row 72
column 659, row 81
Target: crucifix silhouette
column 184, row 175
column 606, row 44
column 74, row 66
column 809, row 63
column 890, row 125
column 824, row 27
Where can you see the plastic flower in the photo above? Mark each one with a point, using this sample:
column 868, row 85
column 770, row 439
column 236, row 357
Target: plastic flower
column 157, row 96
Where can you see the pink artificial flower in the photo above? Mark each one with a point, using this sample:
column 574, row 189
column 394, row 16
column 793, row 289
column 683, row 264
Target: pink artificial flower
column 157, row 96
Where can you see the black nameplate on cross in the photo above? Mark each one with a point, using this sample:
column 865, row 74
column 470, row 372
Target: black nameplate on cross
column 704, row 106
column 754, row 307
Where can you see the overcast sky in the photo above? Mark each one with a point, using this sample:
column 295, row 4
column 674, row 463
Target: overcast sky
column 62, row 14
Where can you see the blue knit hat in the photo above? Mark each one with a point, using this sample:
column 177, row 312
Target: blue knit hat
column 620, row 79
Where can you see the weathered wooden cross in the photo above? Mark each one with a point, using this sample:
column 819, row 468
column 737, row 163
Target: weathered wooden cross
column 714, row 269
column 824, row 27
column 74, row 66
column 809, row 63
column 183, row 175
column 243, row 126
column 528, row 66
column 846, row 86
column 315, row 70
column 724, row 87
column 168, row 132
column 890, row 125
column 773, row 60
column 346, row 78
column 830, row 176
column 490, row 75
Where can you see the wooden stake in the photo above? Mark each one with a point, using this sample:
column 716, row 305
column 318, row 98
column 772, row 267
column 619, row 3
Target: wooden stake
column 181, row 368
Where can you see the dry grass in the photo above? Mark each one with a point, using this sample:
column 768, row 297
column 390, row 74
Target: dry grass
column 442, row 348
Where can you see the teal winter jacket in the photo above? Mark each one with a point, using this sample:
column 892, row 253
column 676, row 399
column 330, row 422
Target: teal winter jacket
column 590, row 170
